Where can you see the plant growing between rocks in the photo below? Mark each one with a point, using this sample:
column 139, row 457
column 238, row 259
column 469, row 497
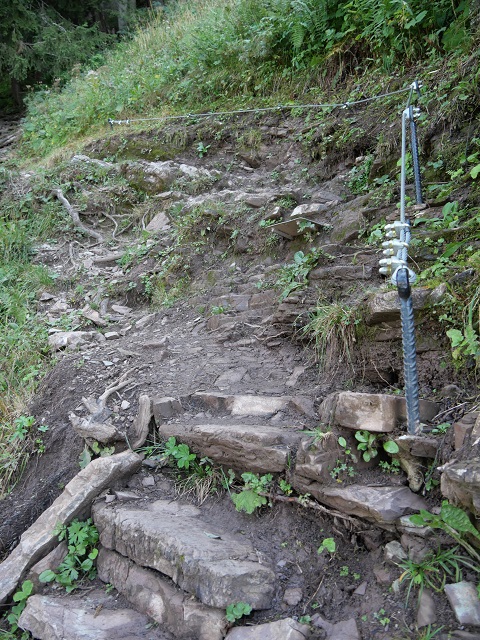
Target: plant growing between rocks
column 79, row 563
column 237, row 610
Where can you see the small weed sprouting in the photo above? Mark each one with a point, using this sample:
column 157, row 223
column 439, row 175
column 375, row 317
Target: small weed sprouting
column 198, row 475
column 392, row 467
column 382, row 617
column 20, row 597
column 344, row 467
column 344, row 571
column 202, row 149
column 79, row 563
column 441, row 429
column 237, row 610
column 253, row 493
column 434, row 570
column 318, row 433
column 329, row 545
column 368, row 444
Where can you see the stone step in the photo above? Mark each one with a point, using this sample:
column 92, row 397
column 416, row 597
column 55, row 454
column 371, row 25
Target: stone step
column 383, row 505
column 175, row 540
column 243, row 447
column 157, row 597
column 96, row 615
column 252, row 405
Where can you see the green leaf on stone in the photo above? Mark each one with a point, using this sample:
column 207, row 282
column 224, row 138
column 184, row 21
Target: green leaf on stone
column 47, row 576
column 391, row 447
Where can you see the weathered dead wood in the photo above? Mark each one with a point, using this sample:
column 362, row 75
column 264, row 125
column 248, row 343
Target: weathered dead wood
column 75, row 217
column 97, row 426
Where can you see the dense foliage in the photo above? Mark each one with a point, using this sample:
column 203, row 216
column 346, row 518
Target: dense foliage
column 42, row 41
column 205, row 52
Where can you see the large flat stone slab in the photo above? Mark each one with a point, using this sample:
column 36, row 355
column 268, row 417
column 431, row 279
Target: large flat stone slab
column 173, row 539
column 255, row 448
column 286, row 629
column 39, row 539
column 250, row 405
column 156, row 597
column 377, row 504
column 80, row 618
column 375, row 412
column 460, row 483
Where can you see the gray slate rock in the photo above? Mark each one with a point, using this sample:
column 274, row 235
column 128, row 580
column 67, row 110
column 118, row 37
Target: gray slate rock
column 464, row 601
column 156, row 597
column 460, row 483
column 75, row 618
column 256, row 448
column 39, row 539
column 170, row 537
column 377, row 504
column 287, row 629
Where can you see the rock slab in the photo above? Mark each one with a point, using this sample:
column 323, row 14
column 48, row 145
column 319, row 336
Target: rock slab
column 75, row 618
column 377, row 504
column 258, row 448
column 464, row 601
column 39, row 539
column 156, row 597
column 287, row 629
column 173, row 539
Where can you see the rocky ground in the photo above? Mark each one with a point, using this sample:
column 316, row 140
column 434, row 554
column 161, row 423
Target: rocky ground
column 222, row 366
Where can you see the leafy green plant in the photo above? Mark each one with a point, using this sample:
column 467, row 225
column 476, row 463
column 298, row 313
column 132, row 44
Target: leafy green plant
column 202, row 149
column 198, row 475
column 434, row 570
column 294, row 275
column 19, row 441
column 328, row 544
column 20, row 597
column 79, row 563
column 253, row 493
column 441, row 429
column 344, row 571
column 285, row 487
column 392, row 467
column 237, row 610
column 453, row 521
column 92, row 450
column 368, row 443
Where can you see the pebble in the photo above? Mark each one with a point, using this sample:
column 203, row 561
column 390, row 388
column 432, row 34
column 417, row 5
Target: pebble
column 125, row 405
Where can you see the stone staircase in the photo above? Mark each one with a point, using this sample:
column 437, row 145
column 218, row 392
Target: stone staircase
column 180, row 566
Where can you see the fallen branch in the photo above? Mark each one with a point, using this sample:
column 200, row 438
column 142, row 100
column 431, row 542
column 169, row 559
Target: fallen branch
column 75, row 217
column 97, row 425
column 312, row 505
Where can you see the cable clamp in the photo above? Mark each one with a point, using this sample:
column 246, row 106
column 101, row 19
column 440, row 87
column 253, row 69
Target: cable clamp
column 411, row 275
column 389, row 265
column 396, row 229
column 395, row 244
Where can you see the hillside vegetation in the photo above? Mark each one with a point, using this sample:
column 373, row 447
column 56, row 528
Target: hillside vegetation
column 212, row 55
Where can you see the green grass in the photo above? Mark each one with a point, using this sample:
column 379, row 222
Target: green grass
column 209, row 54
